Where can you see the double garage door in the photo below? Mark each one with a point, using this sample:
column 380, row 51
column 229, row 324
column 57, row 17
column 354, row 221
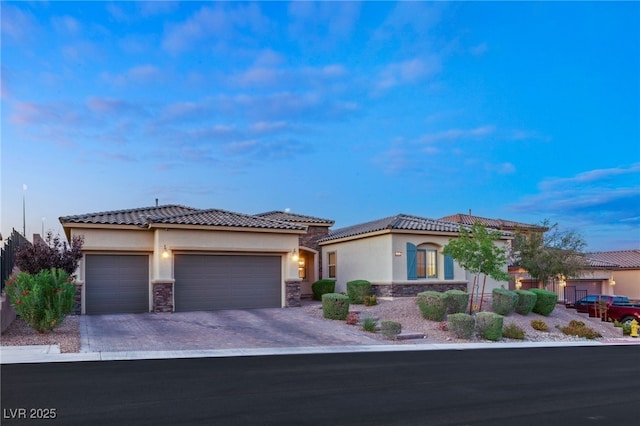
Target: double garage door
column 212, row 282
column 120, row 283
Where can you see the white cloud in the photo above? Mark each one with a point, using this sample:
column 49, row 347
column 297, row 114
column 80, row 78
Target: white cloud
column 66, row 25
column 408, row 72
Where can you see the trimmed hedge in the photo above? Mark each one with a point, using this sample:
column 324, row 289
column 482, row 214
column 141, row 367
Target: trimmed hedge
column 545, row 302
column 321, row 287
column 357, row 290
column 390, row 329
column 335, row 306
column 503, row 301
column 489, row 325
column 462, row 325
column 526, row 301
column 432, row 304
column 457, row 301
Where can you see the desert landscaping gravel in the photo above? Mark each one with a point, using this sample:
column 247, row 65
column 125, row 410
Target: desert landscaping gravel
column 402, row 310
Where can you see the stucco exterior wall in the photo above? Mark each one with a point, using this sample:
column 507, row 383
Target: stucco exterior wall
column 436, row 241
column 627, row 281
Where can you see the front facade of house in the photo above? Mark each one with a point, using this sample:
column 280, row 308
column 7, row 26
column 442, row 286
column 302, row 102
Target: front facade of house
column 176, row 258
column 400, row 255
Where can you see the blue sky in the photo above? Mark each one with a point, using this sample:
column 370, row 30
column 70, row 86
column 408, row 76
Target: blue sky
column 348, row 111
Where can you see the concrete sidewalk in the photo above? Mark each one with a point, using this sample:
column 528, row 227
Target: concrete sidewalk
column 37, row 354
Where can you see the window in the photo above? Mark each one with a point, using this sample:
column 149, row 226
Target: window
column 302, row 267
column 332, row 259
column 423, row 263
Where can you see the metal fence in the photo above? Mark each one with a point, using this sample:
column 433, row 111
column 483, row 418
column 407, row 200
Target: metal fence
column 572, row 294
column 8, row 255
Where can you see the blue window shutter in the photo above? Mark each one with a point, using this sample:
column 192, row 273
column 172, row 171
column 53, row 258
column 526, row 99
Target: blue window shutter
column 411, row 262
column 448, row 267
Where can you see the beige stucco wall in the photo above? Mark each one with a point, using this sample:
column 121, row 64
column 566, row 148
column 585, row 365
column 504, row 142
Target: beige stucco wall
column 382, row 259
column 177, row 241
column 627, row 281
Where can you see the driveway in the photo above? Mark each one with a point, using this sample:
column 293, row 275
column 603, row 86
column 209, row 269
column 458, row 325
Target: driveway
column 256, row 328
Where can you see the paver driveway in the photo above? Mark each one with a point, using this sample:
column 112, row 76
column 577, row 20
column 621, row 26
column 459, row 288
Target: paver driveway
column 256, row 328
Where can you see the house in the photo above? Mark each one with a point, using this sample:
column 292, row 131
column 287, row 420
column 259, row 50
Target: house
column 175, row 258
column 608, row 272
column 309, row 253
column 400, row 255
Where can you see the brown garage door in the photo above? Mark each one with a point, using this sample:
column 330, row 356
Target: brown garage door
column 116, row 284
column 213, row 282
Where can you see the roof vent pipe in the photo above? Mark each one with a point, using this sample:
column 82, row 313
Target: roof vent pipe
column 156, row 202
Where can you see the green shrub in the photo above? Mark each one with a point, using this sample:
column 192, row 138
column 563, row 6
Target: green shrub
column 626, row 329
column 335, row 306
column 369, row 324
column 512, row 331
column 357, row 290
column 578, row 328
column 539, row 325
column 42, row 300
column 457, row 301
column 371, row 300
column 432, row 304
column 545, row 301
column 390, row 329
column 461, row 324
column 526, row 301
column 321, row 287
column 489, row 325
column 503, row 301
column 617, row 323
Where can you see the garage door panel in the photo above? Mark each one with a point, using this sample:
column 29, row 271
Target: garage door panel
column 213, row 282
column 117, row 284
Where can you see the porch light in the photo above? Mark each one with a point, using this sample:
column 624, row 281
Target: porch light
column 562, row 281
column 612, row 281
column 165, row 252
column 518, row 283
column 294, row 255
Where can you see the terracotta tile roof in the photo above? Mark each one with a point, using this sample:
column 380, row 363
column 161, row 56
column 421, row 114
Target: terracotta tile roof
column 490, row 223
column 138, row 217
column 296, row 218
column 398, row 222
column 179, row 215
column 623, row 259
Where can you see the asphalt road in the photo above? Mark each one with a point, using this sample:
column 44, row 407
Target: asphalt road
column 533, row 386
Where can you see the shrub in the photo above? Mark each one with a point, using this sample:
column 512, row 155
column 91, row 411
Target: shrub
column 626, row 329
column 335, row 306
column 578, row 328
column 539, row 325
column 512, row 331
column 352, row 318
column 503, row 301
column 526, row 301
column 371, row 300
column 357, row 290
column 461, row 324
column 489, row 325
column 432, row 304
column 369, row 324
column 43, row 299
column 50, row 253
column 617, row 323
column 390, row 329
column 321, row 287
column 457, row 301
column 545, row 301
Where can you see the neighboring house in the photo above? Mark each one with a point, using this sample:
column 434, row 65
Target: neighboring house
column 309, row 253
column 176, row 258
column 609, row 272
column 400, row 255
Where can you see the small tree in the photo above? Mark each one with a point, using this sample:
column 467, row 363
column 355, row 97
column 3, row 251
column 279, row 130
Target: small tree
column 546, row 256
column 475, row 251
column 50, row 253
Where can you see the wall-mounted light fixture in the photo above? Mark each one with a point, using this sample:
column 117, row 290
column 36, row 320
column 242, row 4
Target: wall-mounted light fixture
column 398, row 253
column 612, row 281
column 562, row 281
column 165, row 252
column 518, row 283
column 294, row 255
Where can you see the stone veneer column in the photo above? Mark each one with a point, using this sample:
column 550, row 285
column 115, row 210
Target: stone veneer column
column 162, row 296
column 293, row 293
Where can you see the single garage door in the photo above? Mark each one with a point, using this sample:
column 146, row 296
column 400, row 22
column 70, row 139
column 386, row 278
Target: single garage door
column 213, row 282
column 116, row 284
